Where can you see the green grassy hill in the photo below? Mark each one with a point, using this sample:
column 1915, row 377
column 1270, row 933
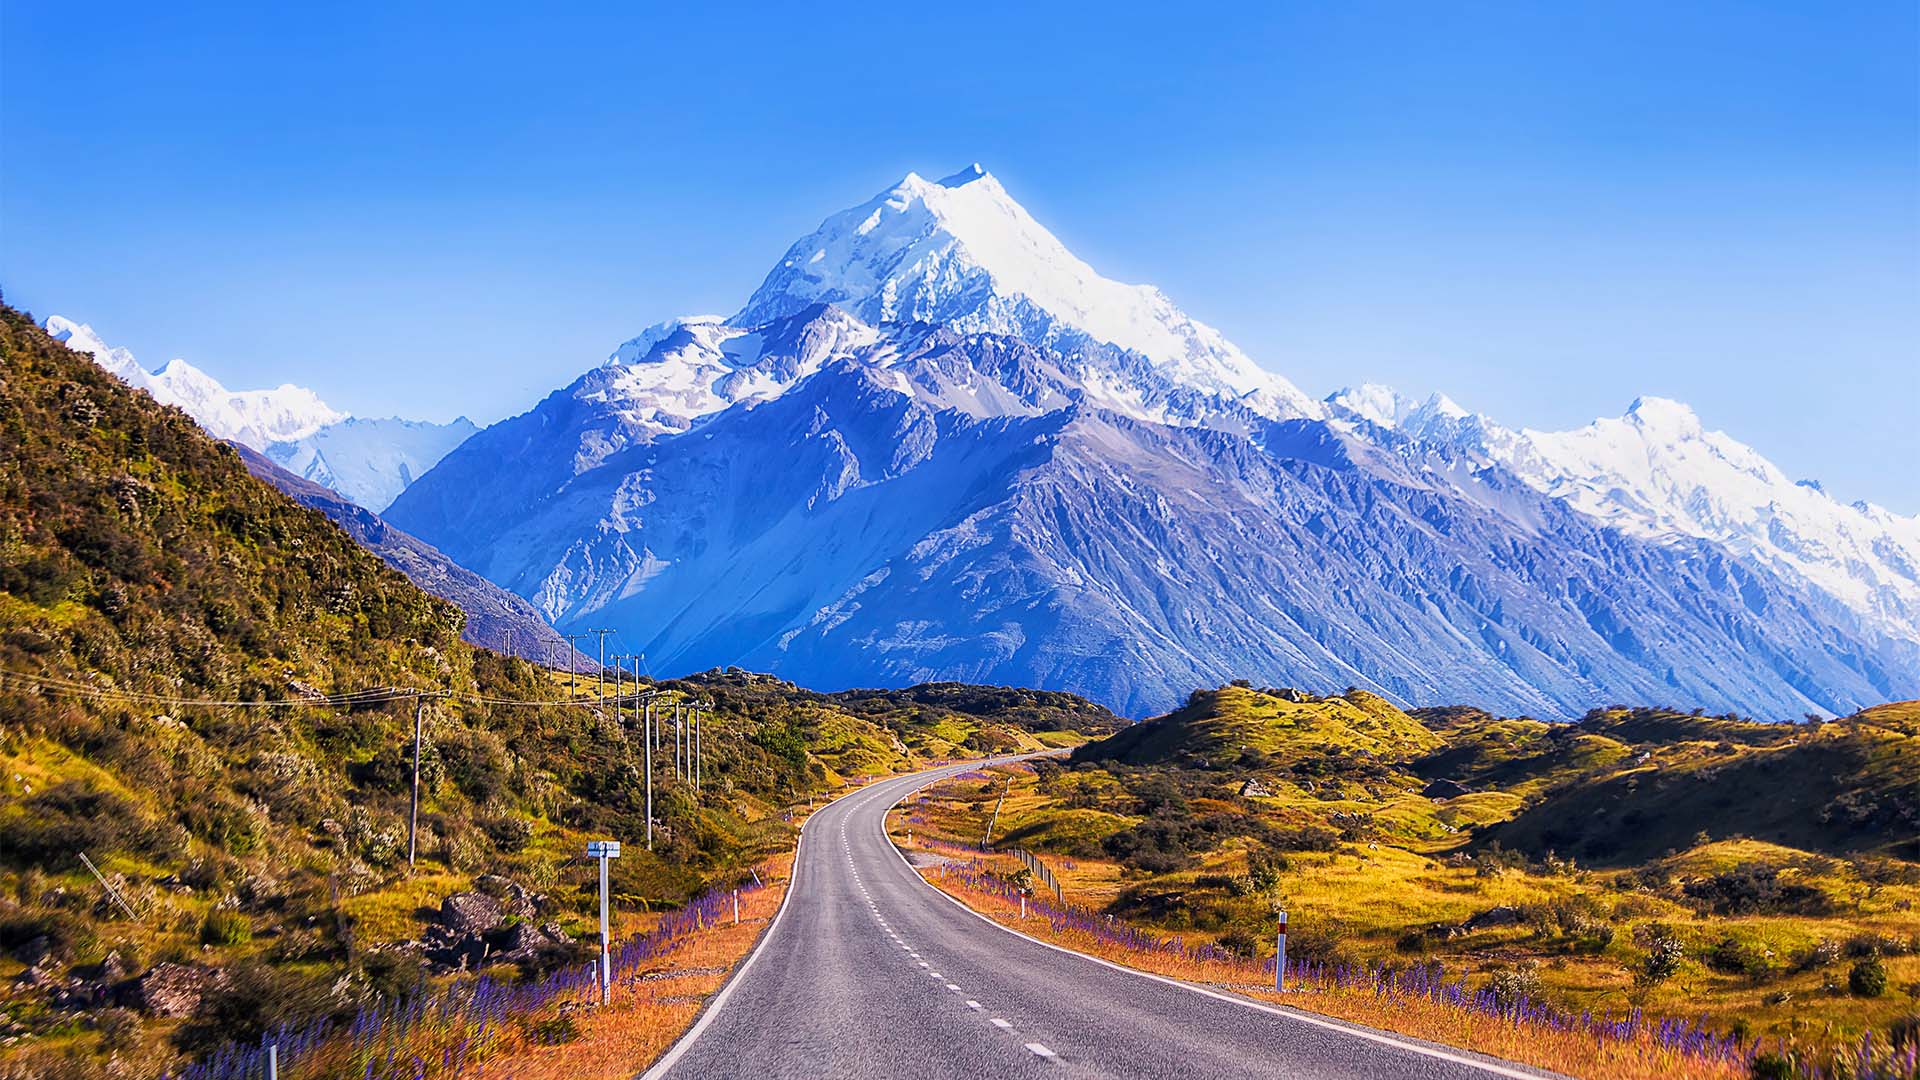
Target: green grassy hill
column 176, row 642
column 1238, row 726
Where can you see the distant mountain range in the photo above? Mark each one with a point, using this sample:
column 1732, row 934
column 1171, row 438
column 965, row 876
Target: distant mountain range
column 935, row 444
column 368, row 461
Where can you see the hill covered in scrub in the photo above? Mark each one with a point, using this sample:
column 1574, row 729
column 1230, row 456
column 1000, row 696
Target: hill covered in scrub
column 205, row 689
column 495, row 618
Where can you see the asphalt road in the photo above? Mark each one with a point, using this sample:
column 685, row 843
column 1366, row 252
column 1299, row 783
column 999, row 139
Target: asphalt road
column 870, row 972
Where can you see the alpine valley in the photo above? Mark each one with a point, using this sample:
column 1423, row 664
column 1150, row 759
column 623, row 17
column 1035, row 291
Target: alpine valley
column 934, row 444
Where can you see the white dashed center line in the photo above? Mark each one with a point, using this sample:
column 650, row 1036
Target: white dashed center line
column 1001, row 1024
column 1041, row 1051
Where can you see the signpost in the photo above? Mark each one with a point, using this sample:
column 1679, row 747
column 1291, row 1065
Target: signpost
column 604, row 850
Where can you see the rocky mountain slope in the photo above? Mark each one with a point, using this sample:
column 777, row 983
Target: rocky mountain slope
column 934, row 445
column 369, row 461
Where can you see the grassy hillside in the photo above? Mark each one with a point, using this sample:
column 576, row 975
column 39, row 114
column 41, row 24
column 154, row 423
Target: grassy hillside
column 1238, row 726
column 1756, row 874
column 179, row 649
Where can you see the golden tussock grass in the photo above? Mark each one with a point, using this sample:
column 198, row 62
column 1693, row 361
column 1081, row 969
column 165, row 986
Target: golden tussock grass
column 1572, row 1053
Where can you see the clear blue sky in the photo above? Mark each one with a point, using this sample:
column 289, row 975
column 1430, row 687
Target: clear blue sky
column 1543, row 209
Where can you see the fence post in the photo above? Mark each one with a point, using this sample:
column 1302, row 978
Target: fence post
column 1280, row 958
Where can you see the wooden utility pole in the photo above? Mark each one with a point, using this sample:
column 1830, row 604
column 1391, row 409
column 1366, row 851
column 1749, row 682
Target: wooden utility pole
column 413, row 818
column 647, row 737
column 600, row 676
column 573, row 666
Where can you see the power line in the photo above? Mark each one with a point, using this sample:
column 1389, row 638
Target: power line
column 371, row 696
column 57, row 685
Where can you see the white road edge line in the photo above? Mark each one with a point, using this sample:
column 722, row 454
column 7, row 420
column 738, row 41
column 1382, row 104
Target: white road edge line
column 1245, row 1003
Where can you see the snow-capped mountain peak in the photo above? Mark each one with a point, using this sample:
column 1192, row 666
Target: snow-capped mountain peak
column 962, row 252
column 255, row 418
column 117, row 360
column 368, row 461
column 1663, row 415
column 1388, row 408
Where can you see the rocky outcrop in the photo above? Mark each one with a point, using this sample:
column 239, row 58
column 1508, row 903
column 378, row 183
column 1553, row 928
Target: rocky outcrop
column 171, row 989
column 493, row 924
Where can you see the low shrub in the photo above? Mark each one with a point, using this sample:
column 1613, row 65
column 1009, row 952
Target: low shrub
column 1868, row 978
column 1664, row 954
column 1756, row 889
column 1732, row 956
column 1513, row 985
column 225, row 926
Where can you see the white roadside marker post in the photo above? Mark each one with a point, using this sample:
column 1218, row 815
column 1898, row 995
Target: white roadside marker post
column 604, row 850
column 273, row 1061
column 1280, row 958
column 736, row 907
column 1023, row 906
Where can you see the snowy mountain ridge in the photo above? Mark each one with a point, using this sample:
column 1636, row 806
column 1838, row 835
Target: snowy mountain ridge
column 1659, row 473
column 253, row 417
column 368, row 461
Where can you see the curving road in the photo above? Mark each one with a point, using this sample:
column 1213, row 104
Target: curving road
column 869, row 972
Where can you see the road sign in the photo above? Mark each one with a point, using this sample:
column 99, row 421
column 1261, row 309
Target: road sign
column 604, row 850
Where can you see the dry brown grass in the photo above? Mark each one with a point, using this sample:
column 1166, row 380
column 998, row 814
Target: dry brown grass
column 650, row 1009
